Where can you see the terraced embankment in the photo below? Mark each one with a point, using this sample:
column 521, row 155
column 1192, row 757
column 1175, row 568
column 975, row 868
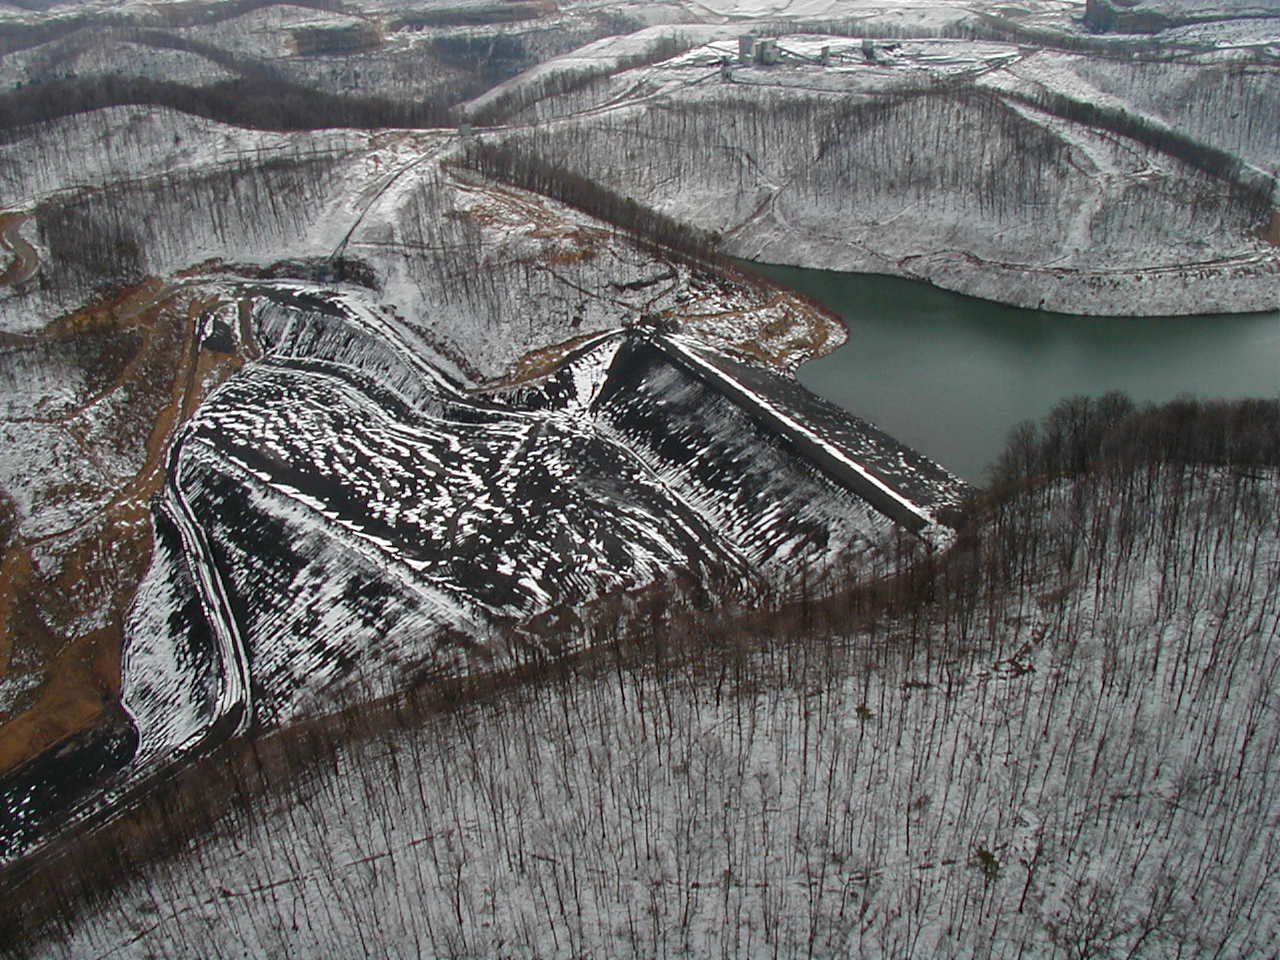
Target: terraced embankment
column 85, row 465
column 342, row 520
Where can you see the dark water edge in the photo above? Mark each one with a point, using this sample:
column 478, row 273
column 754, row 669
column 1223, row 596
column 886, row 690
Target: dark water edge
column 950, row 375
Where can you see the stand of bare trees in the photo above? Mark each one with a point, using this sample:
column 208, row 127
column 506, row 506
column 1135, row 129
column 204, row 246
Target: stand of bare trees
column 1055, row 737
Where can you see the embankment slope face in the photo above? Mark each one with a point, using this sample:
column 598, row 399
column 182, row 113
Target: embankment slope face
column 377, row 499
column 372, row 526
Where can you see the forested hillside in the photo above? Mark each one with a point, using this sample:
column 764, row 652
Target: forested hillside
column 1055, row 739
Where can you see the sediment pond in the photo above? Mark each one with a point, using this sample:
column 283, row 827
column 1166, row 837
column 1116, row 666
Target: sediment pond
column 950, row 375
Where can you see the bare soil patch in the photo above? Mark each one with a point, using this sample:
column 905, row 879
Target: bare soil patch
column 26, row 261
column 159, row 381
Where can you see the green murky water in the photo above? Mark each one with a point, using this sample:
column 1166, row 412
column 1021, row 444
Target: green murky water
column 950, row 375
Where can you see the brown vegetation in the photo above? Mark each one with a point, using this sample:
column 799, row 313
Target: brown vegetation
column 26, row 261
column 83, row 682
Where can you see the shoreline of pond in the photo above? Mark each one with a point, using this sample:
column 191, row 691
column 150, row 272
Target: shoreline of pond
column 951, row 375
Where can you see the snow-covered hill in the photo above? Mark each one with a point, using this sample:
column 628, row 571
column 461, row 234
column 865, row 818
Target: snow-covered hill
column 1034, row 177
column 1068, row 750
column 1154, row 16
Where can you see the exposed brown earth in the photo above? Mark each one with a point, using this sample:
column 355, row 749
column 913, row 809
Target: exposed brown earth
column 26, row 261
column 542, row 362
column 160, row 376
column 779, row 330
column 780, row 333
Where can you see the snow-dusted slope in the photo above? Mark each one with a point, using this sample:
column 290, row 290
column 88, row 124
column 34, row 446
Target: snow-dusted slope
column 478, row 407
column 1152, row 16
column 1079, row 764
column 1039, row 178
column 372, row 524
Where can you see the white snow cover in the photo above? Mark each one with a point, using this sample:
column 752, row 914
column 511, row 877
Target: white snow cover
column 1104, row 226
column 1098, row 774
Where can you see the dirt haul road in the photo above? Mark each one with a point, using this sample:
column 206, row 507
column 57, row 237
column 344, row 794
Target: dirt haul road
column 25, row 259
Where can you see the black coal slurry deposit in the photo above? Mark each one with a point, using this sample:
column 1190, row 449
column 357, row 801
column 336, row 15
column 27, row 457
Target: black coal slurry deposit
column 899, row 482
column 37, row 796
column 353, row 495
column 342, row 519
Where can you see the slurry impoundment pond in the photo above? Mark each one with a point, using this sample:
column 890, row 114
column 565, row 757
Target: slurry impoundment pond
column 951, row 375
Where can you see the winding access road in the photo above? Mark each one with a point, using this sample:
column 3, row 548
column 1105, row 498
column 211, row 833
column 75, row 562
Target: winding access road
column 26, row 261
